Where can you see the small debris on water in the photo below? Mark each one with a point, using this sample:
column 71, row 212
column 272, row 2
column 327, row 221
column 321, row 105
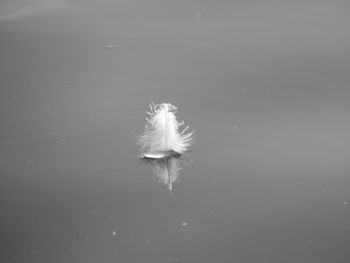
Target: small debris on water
column 235, row 128
column 184, row 224
column 344, row 203
column 114, row 233
column 110, row 46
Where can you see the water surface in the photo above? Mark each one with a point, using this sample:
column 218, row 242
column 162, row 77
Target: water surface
column 264, row 84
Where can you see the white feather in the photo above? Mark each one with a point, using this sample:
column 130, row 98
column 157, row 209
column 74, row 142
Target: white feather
column 162, row 135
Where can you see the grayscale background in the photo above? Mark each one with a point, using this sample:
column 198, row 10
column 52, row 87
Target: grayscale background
column 265, row 84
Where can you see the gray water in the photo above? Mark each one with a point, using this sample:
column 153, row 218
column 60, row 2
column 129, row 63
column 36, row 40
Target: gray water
column 265, row 84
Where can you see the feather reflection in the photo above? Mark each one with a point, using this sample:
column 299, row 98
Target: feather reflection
column 166, row 170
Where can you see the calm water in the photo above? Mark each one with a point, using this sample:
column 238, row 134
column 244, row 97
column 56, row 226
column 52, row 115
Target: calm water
column 264, row 84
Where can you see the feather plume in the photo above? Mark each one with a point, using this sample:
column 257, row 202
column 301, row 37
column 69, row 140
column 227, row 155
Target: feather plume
column 162, row 137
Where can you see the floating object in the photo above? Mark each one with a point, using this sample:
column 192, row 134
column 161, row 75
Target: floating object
column 110, row 46
column 162, row 138
column 154, row 155
column 163, row 144
column 161, row 155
